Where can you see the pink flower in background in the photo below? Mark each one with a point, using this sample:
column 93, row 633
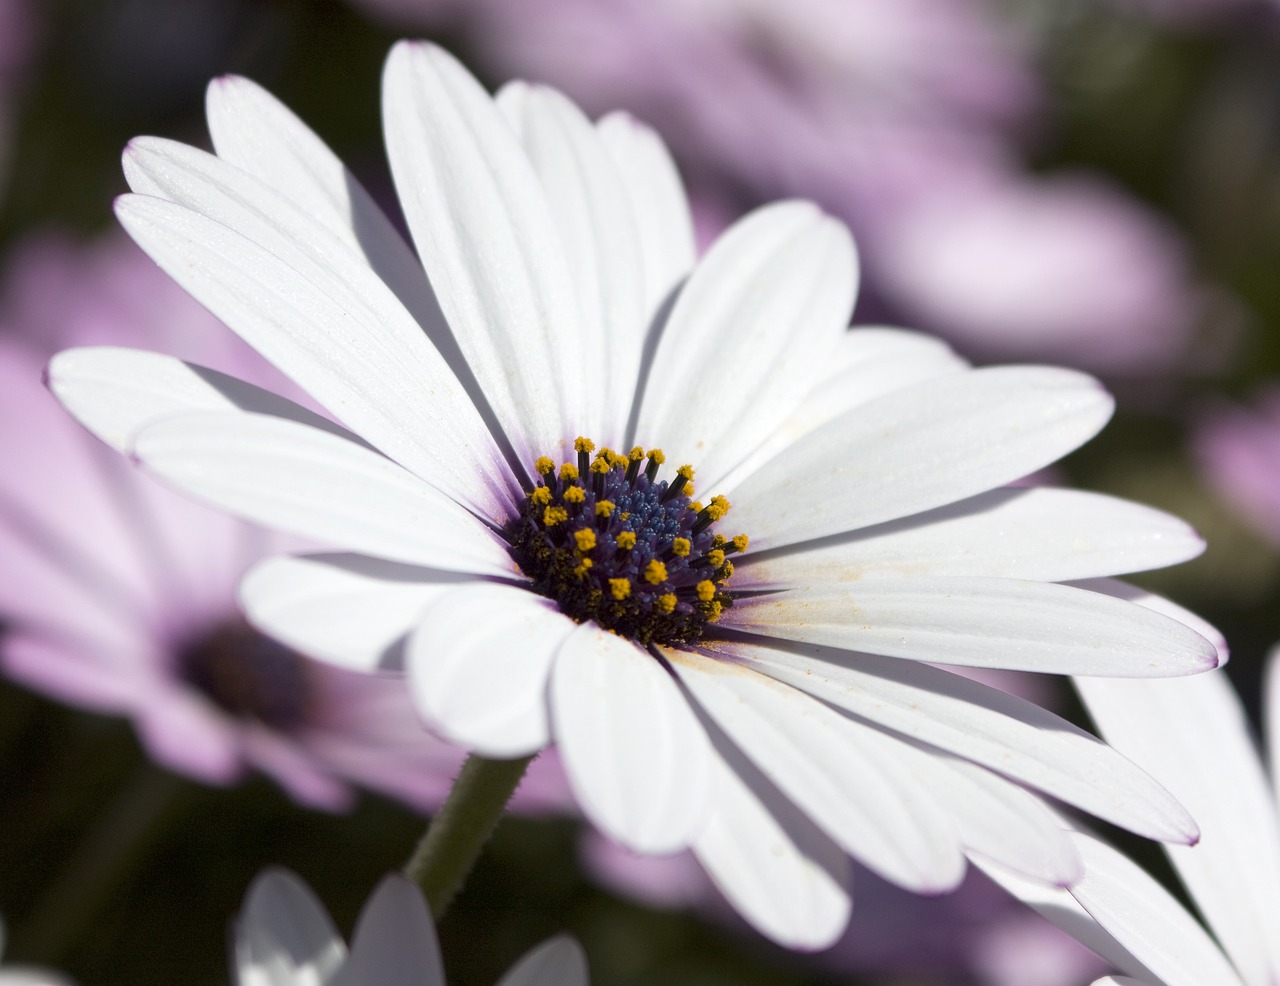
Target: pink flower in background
column 1238, row 448
column 119, row 596
column 902, row 118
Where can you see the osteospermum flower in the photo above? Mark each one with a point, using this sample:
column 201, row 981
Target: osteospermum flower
column 119, row 596
column 283, row 937
column 675, row 519
column 1195, row 737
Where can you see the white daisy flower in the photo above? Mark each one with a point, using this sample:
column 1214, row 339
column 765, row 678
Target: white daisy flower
column 283, row 937
column 543, row 578
column 1193, row 736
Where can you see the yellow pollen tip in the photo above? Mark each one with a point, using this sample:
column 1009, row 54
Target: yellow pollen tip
column 581, row 444
column 575, row 494
column 545, row 465
column 616, row 458
column 665, row 603
column 605, row 508
column 741, row 541
column 585, row 539
column 583, row 566
column 554, row 515
column 713, row 611
column 685, row 471
column 680, row 547
column 627, row 539
column 655, row 572
column 541, row 496
column 656, row 455
column 621, row 588
column 568, row 472
column 625, row 515
column 695, row 506
column 728, row 570
column 716, row 557
column 706, row 590
column 601, row 466
column 636, row 454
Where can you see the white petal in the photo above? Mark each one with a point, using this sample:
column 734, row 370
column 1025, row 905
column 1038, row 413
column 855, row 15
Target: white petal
column 309, row 482
column 1159, row 604
column 998, row 819
column 747, row 335
column 1007, row 734
column 660, row 208
column 558, row 961
column 116, row 392
column 349, row 610
column 591, row 209
column 982, row 622
column 847, row 777
column 919, row 448
column 1193, row 736
column 478, row 667
column 1041, row 534
column 1146, row 920
column 395, row 942
column 326, row 321
column 635, row 753
column 1057, row 906
column 256, row 132
column 488, row 241
column 1271, row 714
column 284, row 928
column 1121, row 981
column 866, row 363
column 780, row 872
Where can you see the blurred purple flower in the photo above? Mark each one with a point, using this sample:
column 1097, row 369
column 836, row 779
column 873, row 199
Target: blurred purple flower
column 903, row 119
column 1238, row 449
column 120, row 597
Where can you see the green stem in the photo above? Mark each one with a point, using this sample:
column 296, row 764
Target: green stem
column 453, row 841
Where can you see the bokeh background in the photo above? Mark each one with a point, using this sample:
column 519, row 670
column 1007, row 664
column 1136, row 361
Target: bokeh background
column 1087, row 182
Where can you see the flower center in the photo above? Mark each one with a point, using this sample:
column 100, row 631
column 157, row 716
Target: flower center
column 249, row 675
column 610, row 542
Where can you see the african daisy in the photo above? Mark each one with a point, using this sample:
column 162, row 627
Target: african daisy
column 741, row 668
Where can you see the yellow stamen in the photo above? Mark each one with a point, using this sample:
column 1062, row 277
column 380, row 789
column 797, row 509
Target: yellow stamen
column 665, row 603
column 568, row 472
column 621, row 588
column 655, row 572
column 554, row 515
column 581, row 444
column 716, row 557
column 681, row 547
column 605, row 508
column 713, row 610
column 718, row 508
column 581, row 570
column 585, row 539
column 636, row 454
column 741, row 541
column 600, row 465
column 541, row 496
column 685, row 471
column 575, row 494
column 545, row 465
column 656, row 455
column 695, row 506
column 706, row 590
column 626, row 540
